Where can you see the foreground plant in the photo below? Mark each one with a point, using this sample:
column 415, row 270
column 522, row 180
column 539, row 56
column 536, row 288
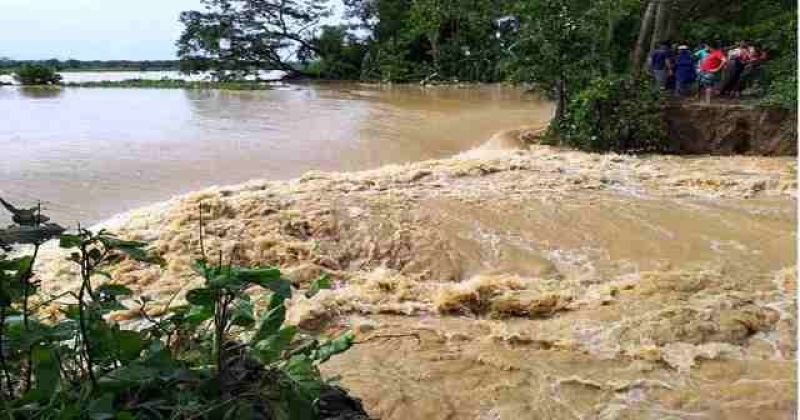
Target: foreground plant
column 212, row 358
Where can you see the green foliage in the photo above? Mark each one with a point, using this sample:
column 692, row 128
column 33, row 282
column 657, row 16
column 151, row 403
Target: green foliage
column 234, row 38
column 173, row 84
column 185, row 364
column 37, row 75
column 768, row 24
column 324, row 282
column 8, row 65
column 620, row 114
column 336, row 54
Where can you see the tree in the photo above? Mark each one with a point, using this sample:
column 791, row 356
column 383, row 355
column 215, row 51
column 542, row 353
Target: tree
column 234, row 38
column 554, row 48
column 37, row 75
column 339, row 54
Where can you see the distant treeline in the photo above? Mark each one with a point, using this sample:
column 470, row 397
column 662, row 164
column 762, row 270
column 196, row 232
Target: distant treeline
column 9, row 65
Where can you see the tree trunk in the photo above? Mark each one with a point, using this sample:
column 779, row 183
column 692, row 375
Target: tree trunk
column 658, row 32
column 672, row 17
column 644, row 31
column 610, row 41
column 561, row 99
column 434, row 40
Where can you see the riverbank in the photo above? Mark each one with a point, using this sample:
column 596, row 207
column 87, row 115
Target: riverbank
column 511, row 284
column 174, row 84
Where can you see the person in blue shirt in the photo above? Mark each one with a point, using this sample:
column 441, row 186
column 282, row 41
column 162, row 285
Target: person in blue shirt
column 660, row 64
column 685, row 70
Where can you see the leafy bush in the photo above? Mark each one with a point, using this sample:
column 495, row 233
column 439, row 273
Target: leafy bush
column 37, row 75
column 184, row 364
column 620, row 114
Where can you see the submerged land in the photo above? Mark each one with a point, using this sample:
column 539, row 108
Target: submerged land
column 519, row 281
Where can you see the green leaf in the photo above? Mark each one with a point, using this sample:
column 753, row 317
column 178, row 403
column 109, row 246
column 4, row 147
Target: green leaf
column 258, row 275
column 305, row 376
column 225, row 279
column 268, row 278
column 272, row 320
column 46, row 371
column 23, row 265
column 324, row 282
column 115, row 243
column 102, row 408
column 70, row 241
column 334, row 347
column 113, row 290
column 200, row 297
column 270, row 349
column 72, row 312
column 242, row 315
column 198, row 314
column 130, row 345
column 133, row 249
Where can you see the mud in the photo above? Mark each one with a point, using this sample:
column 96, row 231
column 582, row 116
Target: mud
column 522, row 284
column 728, row 128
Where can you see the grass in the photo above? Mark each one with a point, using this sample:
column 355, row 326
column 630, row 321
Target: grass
column 173, row 84
column 11, row 70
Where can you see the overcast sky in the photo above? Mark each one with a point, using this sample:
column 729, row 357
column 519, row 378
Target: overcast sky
column 91, row 29
column 95, row 29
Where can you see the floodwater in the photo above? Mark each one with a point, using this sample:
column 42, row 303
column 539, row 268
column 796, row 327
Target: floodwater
column 503, row 283
column 89, row 153
column 519, row 284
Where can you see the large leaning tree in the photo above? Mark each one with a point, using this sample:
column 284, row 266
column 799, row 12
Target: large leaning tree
column 235, row 38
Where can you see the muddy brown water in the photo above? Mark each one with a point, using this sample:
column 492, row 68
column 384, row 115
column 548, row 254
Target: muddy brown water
column 504, row 284
column 527, row 284
column 91, row 153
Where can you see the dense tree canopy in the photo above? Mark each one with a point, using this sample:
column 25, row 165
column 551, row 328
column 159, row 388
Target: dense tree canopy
column 560, row 46
column 238, row 37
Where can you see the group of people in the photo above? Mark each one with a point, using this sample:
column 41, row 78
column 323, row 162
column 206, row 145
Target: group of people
column 716, row 70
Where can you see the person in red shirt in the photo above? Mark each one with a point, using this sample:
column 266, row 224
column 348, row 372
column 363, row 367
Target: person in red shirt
column 711, row 68
column 714, row 61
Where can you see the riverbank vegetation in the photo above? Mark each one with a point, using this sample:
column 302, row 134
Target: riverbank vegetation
column 35, row 75
column 212, row 357
column 9, row 66
column 174, row 84
column 566, row 48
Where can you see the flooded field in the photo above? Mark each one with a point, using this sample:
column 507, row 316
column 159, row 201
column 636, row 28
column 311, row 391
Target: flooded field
column 88, row 154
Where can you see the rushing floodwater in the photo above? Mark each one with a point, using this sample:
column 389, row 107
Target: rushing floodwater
column 91, row 153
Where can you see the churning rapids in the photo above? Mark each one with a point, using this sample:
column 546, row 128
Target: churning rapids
column 535, row 283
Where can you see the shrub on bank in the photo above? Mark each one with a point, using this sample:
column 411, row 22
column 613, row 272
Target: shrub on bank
column 620, row 114
column 37, row 75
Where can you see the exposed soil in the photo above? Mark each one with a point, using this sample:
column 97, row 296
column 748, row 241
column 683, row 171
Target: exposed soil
column 728, row 128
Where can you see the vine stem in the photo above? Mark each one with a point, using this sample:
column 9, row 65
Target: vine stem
column 85, row 286
column 3, row 364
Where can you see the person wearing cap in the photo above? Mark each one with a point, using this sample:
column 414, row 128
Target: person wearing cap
column 685, row 70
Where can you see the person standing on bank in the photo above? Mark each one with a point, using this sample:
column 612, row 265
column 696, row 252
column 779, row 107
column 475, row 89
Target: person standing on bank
column 660, row 64
column 685, row 70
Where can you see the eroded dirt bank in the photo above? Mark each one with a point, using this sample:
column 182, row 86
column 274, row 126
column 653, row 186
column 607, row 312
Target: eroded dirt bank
column 730, row 128
column 541, row 284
